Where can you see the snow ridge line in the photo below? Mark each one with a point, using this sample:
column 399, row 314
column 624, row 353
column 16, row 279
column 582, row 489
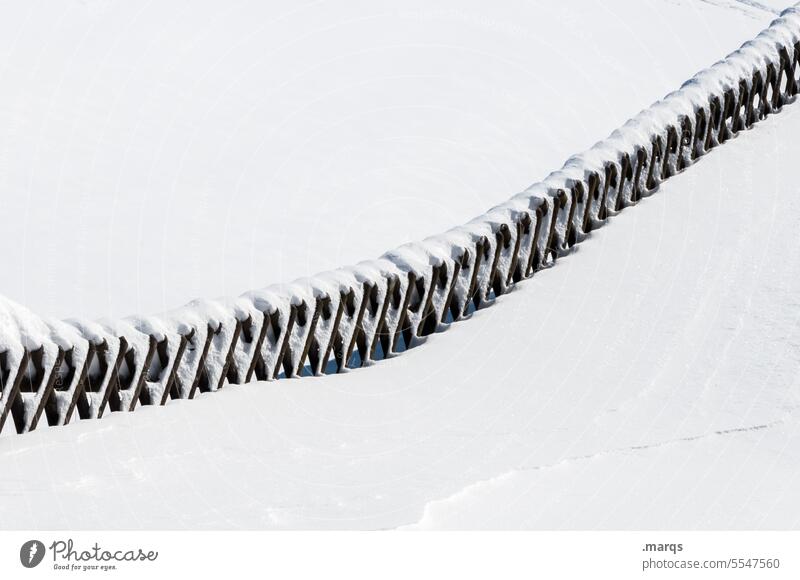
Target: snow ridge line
column 53, row 372
column 428, row 518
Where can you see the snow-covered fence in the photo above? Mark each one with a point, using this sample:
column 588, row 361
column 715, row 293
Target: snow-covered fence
column 52, row 372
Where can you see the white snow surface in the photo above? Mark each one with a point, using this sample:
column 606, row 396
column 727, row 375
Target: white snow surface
column 418, row 256
column 192, row 149
column 649, row 380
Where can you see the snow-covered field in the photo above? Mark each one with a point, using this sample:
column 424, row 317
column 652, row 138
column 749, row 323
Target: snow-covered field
column 658, row 390
column 155, row 153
